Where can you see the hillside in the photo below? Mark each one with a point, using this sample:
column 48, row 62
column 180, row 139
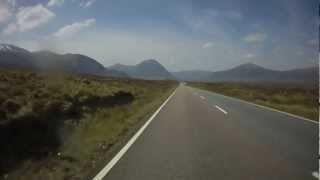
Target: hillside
column 148, row 69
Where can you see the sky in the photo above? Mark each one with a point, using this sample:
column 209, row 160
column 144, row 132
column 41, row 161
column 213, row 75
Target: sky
column 181, row 34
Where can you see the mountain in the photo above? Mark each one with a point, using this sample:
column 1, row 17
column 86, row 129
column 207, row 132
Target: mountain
column 253, row 73
column 246, row 72
column 148, row 69
column 250, row 72
column 12, row 57
column 304, row 75
column 68, row 62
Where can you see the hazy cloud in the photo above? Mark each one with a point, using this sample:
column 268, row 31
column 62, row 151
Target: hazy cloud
column 255, row 38
column 207, row 45
column 86, row 4
column 11, row 28
column 249, row 55
column 6, row 10
column 225, row 14
column 28, row 18
column 55, row 3
column 72, row 29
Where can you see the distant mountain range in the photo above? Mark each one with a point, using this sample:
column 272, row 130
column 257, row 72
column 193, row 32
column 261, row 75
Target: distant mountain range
column 13, row 57
column 250, row 72
column 148, row 69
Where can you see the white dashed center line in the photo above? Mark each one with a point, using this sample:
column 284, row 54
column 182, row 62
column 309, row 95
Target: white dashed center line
column 222, row 110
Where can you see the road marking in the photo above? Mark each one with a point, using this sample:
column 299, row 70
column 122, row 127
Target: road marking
column 222, row 110
column 315, row 174
column 118, row 156
column 202, row 97
column 265, row 107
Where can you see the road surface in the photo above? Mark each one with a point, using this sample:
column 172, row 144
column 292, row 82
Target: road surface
column 199, row 135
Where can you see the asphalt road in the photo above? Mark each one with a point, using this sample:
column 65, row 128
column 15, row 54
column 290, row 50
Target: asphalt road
column 201, row 135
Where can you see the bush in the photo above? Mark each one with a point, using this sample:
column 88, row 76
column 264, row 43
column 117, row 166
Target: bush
column 11, row 106
column 53, row 108
column 3, row 97
column 69, row 109
column 3, row 115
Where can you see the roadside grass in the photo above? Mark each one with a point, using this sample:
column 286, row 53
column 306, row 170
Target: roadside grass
column 296, row 99
column 64, row 127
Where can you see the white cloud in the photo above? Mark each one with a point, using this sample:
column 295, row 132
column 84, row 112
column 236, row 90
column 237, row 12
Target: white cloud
column 71, row 29
column 255, row 38
column 86, row 4
column 28, row 18
column 249, row 55
column 207, row 45
column 6, row 10
column 55, row 3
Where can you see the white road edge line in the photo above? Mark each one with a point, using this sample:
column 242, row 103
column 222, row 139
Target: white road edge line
column 264, row 107
column 118, row 156
column 222, row 110
column 202, row 97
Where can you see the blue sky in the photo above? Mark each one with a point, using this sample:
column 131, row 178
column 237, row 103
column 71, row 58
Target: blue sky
column 180, row 34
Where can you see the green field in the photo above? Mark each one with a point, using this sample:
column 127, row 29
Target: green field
column 301, row 100
column 67, row 126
